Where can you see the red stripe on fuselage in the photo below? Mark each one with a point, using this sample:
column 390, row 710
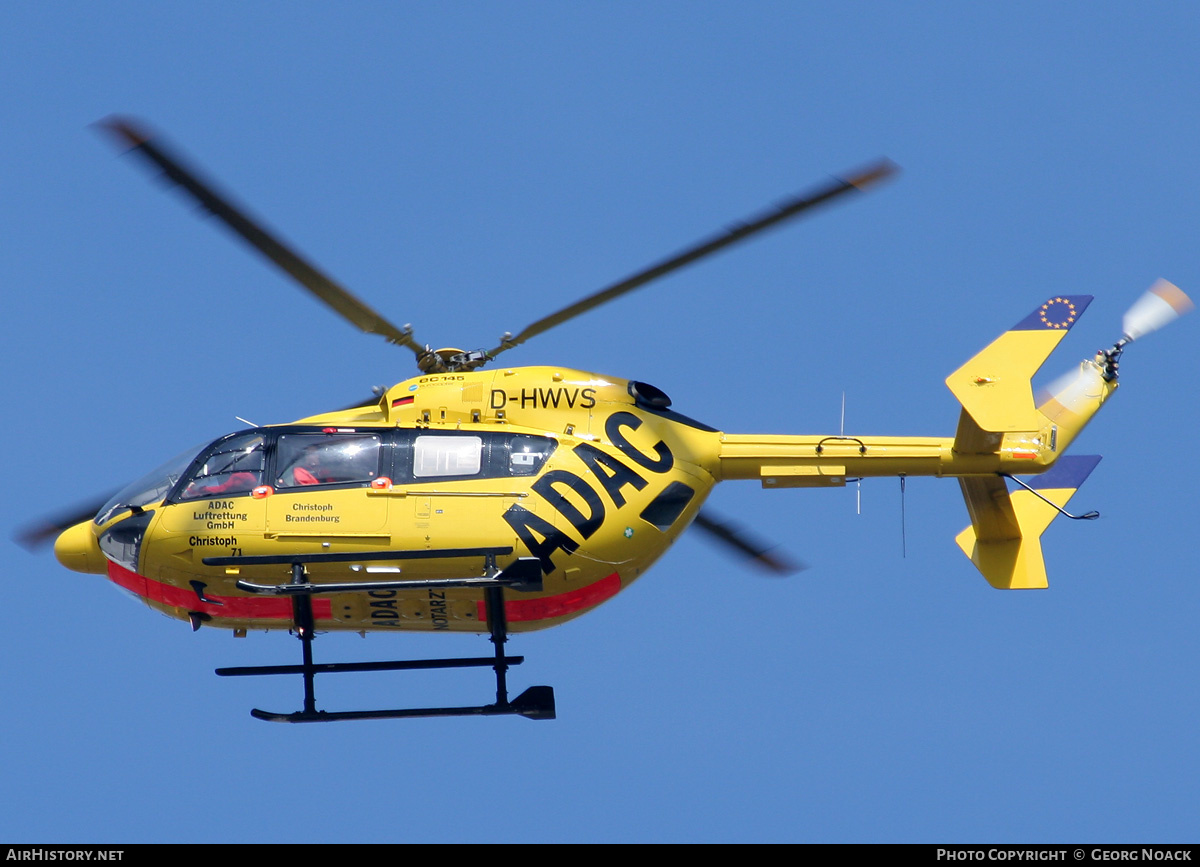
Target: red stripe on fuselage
column 232, row 607
column 516, row 610
column 276, row 608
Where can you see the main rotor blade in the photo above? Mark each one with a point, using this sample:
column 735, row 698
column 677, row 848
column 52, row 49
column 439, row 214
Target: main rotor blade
column 759, row 553
column 793, row 207
column 34, row 536
column 253, row 232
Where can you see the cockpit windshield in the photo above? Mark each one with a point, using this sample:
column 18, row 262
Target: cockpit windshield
column 150, row 488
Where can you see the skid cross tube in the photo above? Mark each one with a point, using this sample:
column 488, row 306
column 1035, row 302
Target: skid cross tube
column 397, row 665
column 537, row 702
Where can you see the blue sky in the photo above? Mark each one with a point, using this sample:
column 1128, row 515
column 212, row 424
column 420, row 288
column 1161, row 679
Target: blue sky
column 471, row 167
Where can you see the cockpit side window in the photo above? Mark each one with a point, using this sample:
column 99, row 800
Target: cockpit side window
column 231, row 467
column 304, row 459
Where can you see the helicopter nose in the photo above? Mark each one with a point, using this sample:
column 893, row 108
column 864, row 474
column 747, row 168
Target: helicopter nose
column 77, row 549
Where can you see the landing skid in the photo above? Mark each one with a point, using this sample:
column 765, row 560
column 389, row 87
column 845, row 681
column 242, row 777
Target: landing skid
column 537, row 702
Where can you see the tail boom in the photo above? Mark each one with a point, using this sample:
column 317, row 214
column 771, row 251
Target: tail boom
column 786, row 461
column 1001, row 432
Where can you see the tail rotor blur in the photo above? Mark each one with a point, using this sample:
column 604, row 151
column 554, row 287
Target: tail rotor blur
column 1071, row 391
column 1162, row 304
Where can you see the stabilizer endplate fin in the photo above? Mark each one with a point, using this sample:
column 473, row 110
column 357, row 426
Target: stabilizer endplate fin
column 994, row 386
column 1004, row 539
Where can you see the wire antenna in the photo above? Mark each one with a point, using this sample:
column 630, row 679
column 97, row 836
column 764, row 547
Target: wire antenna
column 857, row 482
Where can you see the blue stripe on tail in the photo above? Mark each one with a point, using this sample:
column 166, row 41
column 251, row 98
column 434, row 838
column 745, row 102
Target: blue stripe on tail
column 1069, row 471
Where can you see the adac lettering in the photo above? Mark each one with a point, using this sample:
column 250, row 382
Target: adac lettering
column 525, row 524
column 613, row 475
column 585, row 526
column 660, row 463
column 383, row 608
column 558, row 397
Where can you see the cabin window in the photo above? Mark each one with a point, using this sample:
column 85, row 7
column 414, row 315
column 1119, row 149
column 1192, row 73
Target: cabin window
column 525, row 454
column 232, row 466
column 484, row 455
column 436, row 456
column 304, row 460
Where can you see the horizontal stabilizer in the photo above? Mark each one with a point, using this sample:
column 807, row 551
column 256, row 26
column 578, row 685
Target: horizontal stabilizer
column 1004, row 539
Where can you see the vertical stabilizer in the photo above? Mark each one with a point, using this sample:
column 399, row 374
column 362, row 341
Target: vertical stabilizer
column 1004, row 539
column 994, row 386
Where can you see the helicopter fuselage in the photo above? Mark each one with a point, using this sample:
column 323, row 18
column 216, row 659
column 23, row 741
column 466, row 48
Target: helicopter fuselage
column 459, row 474
column 576, row 470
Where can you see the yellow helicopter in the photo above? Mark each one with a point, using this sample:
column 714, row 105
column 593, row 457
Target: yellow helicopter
column 511, row 499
